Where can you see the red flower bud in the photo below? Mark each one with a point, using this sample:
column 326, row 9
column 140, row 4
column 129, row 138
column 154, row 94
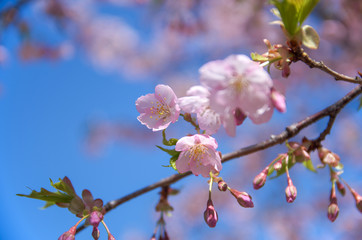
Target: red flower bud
column 341, row 188
column 69, row 235
column 222, row 185
column 210, row 214
column 260, row 179
column 328, row 157
column 358, row 200
column 243, row 198
column 290, row 192
column 95, row 233
column 110, row 237
column 333, row 212
column 278, row 165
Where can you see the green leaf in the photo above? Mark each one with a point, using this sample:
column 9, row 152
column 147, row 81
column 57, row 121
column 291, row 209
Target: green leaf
column 291, row 163
column 360, row 103
column 289, row 15
column 306, row 9
column 173, row 161
column 171, row 152
column 309, row 165
column 64, row 185
column 293, row 13
column 270, row 170
column 50, row 197
column 258, row 58
column 171, row 142
column 310, row 37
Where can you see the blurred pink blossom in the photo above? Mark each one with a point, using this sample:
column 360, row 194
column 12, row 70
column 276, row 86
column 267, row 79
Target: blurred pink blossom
column 238, row 83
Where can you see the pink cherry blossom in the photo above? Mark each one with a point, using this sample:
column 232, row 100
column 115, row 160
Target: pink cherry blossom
column 239, row 83
column 198, row 102
column 159, row 109
column 198, row 155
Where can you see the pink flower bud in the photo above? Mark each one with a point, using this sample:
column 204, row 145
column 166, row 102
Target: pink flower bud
column 95, row 233
column 243, row 198
column 290, row 192
column 278, row 165
column 210, row 214
column 95, row 218
column 278, row 100
column 358, row 200
column 222, row 185
column 260, row 179
column 69, row 235
column 333, row 212
column 110, row 237
column 328, row 157
column 341, row 188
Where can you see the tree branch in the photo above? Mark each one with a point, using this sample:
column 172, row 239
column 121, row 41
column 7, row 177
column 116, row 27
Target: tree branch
column 291, row 131
column 304, row 57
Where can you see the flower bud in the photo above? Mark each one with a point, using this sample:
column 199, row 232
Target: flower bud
column 290, row 192
column 278, row 165
column 358, row 200
column 243, row 198
column 260, row 179
column 69, row 235
column 278, row 100
column 110, row 237
column 333, row 212
column 341, row 188
column 210, row 214
column 222, row 185
column 95, row 233
column 95, row 218
column 328, row 157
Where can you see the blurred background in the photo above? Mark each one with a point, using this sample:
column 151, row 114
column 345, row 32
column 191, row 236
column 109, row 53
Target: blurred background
column 71, row 71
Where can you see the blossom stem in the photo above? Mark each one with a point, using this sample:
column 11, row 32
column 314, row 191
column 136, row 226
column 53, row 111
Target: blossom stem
column 105, row 226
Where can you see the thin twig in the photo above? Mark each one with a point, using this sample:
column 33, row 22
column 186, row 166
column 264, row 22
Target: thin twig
column 317, row 142
column 292, row 130
column 304, row 57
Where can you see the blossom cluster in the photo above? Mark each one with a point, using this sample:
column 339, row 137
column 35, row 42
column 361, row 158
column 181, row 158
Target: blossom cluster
column 231, row 90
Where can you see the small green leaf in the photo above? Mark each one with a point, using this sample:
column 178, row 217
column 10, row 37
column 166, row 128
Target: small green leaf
column 310, row 37
column 173, row 161
column 293, row 13
column 289, row 15
column 171, row 152
column 258, row 58
column 49, row 197
column 171, row 142
column 360, row 103
column 291, row 163
column 309, row 165
column 306, row 9
column 64, row 185
column 270, row 170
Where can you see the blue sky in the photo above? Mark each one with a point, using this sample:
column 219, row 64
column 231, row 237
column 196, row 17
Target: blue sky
column 45, row 111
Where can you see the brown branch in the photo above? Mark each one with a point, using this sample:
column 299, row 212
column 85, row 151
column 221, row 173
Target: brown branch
column 304, row 57
column 292, row 130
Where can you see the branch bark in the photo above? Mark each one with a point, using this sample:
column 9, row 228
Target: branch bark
column 290, row 131
column 304, row 57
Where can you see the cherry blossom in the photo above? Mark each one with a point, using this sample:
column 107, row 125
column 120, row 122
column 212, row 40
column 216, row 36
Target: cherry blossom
column 198, row 155
column 198, row 102
column 240, row 84
column 159, row 109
